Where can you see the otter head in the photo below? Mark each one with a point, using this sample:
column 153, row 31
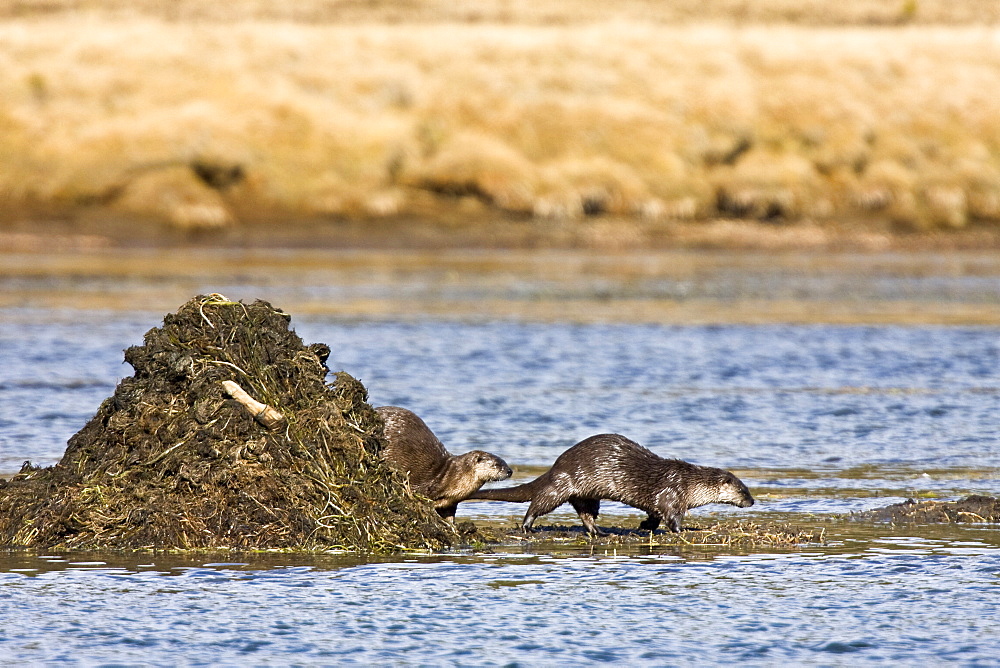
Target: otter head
column 731, row 490
column 487, row 467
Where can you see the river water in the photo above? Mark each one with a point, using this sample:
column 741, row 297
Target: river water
column 818, row 419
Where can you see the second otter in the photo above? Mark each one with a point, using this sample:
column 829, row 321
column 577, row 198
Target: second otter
column 446, row 479
column 610, row 466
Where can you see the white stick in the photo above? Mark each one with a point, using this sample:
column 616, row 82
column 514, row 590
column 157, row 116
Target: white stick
column 262, row 413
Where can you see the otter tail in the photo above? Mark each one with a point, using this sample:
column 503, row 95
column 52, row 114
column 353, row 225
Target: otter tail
column 517, row 494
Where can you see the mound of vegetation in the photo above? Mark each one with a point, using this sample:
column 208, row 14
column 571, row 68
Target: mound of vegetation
column 171, row 462
column 974, row 508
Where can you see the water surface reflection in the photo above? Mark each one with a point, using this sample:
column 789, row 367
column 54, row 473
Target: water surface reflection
column 914, row 600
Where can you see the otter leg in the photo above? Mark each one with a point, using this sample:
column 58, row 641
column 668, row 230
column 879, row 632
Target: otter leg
column 650, row 523
column 674, row 521
column 542, row 504
column 588, row 509
column 448, row 512
column 672, row 513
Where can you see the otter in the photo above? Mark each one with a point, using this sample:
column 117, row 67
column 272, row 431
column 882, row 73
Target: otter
column 444, row 478
column 610, row 466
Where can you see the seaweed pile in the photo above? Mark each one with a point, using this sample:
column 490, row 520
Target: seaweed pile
column 974, row 508
column 170, row 462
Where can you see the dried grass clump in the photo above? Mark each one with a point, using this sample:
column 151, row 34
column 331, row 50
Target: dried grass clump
column 177, row 195
column 591, row 187
column 170, row 462
column 765, row 186
column 935, row 195
column 477, row 165
column 887, row 186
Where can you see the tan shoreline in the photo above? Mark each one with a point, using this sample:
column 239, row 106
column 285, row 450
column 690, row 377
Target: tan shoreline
column 675, row 286
column 87, row 229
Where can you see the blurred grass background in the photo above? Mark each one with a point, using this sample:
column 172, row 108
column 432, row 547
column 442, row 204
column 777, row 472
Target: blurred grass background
column 194, row 115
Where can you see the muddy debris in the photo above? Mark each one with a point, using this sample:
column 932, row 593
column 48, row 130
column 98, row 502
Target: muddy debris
column 724, row 534
column 170, row 461
column 974, row 508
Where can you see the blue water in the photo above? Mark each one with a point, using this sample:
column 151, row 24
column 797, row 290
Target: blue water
column 818, row 420
column 919, row 603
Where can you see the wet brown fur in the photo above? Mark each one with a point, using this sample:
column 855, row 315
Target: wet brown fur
column 610, row 466
column 446, row 479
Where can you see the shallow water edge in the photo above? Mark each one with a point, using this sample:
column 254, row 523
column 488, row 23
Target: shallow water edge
column 670, row 286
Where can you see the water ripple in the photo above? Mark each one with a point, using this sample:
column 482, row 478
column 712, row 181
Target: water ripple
column 546, row 610
column 816, row 419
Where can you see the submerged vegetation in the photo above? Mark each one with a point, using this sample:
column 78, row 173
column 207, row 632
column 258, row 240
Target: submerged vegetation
column 878, row 112
column 169, row 462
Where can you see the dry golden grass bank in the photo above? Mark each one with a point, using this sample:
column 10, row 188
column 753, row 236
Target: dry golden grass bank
column 542, row 12
column 135, row 110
